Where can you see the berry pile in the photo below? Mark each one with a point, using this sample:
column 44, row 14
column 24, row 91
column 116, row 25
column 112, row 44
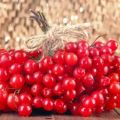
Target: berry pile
column 81, row 79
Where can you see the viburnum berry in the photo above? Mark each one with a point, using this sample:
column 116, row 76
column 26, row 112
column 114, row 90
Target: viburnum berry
column 68, row 83
column 83, row 44
column 24, row 110
column 71, row 59
column 17, row 81
column 104, row 81
column 98, row 44
column 36, row 89
column 71, row 47
column 38, row 77
column 47, row 92
column 49, row 81
column 13, row 101
column 37, row 102
column 114, row 77
column 82, row 52
column 30, row 66
column 59, row 106
column 47, row 104
column 93, row 52
column 4, row 76
column 29, row 79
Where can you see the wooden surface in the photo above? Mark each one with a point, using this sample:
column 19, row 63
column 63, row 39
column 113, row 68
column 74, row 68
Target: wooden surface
column 103, row 116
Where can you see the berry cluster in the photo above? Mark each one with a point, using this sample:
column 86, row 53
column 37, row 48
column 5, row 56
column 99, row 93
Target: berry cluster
column 81, row 78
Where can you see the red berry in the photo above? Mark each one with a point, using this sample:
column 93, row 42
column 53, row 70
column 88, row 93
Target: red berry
column 114, row 77
column 17, row 81
column 57, row 90
column 48, row 104
column 112, row 44
column 71, row 47
column 68, row 83
column 114, row 88
column 98, row 44
column 36, row 89
column 85, row 112
column 49, row 81
column 83, row 44
column 79, row 73
column 82, row 52
column 24, row 110
column 25, row 98
column 13, row 101
column 15, row 68
column 3, row 75
column 37, row 102
column 71, row 59
column 59, row 106
column 104, row 81
column 47, row 92
column 29, row 79
column 30, row 66
column 88, row 80
column 93, row 52
column 38, row 77
column 58, row 70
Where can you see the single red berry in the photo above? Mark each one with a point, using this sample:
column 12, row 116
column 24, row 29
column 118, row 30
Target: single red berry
column 58, row 70
column 82, row 52
column 71, row 47
column 47, row 92
column 79, row 73
column 93, row 52
column 38, row 77
column 104, row 81
column 98, row 44
column 59, row 106
column 24, row 110
column 114, row 77
column 84, row 111
column 114, row 88
column 48, row 104
column 33, row 54
column 71, row 59
column 112, row 44
column 25, row 98
column 107, row 58
column 30, row 66
column 37, row 102
column 20, row 56
column 49, row 81
column 74, row 108
column 59, row 57
column 88, row 80
column 85, row 62
column 99, row 109
column 15, row 68
column 13, row 101
column 36, row 89
column 70, row 95
column 29, row 79
column 83, row 44
column 17, row 81
column 68, row 83
column 3, row 75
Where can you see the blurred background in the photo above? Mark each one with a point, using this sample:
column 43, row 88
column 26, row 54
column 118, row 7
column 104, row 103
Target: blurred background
column 15, row 24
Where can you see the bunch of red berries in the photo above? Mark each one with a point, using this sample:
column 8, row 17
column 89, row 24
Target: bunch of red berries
column 81, row 79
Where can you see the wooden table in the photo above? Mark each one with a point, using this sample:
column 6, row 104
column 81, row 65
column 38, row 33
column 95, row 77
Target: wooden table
column 104, row 116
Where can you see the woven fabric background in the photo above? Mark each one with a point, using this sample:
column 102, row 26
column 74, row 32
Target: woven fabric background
column 15, row 23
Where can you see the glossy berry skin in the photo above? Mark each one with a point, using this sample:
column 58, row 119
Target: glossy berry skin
column 112, row 44
column 71, row 47
column 25, row 98
column 38, row 77
column 36, row 89
column 98, row 44
column 47, row 92
column 71, row 59
column 70, row 95
column 59, row 106
column 82, row 52
column 85, row 62
column 68, row 83
column 104, row 81
column 3, row 75
column 20, row 56
column 93, row 52
column 13, row 101
column 37, row 102
column 48, row 104
column 114, row 88
column 79, row 73
column 3, row 99
column 85, row 112
column 17, row 81
column 57, row 90
column 5, row 60
column 88, row 80
column 47, row 62
column 83, row 44
column 49, row 81
column 99, row 109
column 15, row 68
column 30, row 66
column 59, row 57
column 29, row 79
column 58, row 70
column 107, row 59
column 24, row 110
column 98, row 97
column 114, row 77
